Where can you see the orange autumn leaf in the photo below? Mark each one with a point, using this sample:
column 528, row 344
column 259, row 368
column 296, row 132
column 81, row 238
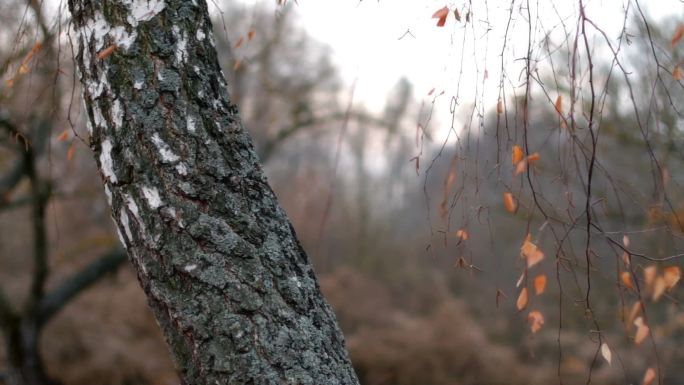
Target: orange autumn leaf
column 237, row 64
column 106, row 52
column 626, row 278
column 677, row 36
column 633, row 313
column 559, row 105
column 642, row 331
column 539, row 284
column 517, row 154
column 659, row 287
column 536, row 320
column 521, row 303
column 533, row 157
column 671, row 275
column 521, row 167
column 677, row 73
column 509, row 202
column 239, row 42
column 441, row 14
column 63, row 136
column 650, row 275
column 462, row 234
column 531, row 253
column 250, row 35
column 499, row 107
column 70, row 151
column 649, row 377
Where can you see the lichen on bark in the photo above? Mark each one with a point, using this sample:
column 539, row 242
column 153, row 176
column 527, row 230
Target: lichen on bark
column 227, row 279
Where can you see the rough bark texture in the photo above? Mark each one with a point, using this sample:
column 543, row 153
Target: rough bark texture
column 217, row 257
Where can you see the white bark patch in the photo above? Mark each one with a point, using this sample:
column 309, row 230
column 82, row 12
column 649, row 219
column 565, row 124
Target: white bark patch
column 152, row 196
column 108, row 194
column 127, row 227
column 106, row 162
column 181, row 45
column 117, row 114
column 122, row 38
column 181, row 169
column 190, row 123
column 167, row 155
column 200, row 35
column 143, row 10
column 138, row 85
column 190, row 268
column 121, row 238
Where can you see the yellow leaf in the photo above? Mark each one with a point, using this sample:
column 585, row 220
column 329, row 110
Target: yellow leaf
column 649, row 376
column 536, row 320
column 509, row 202
column 606, row 353
column 539, row 284
column 517, row 154
column 626, row 278
column 521, row 303
column 531, row 253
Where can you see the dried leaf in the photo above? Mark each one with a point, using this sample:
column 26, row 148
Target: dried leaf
column 536, row 320
column 521, row 303
column 677, row 36
column 658, row 288
column 539, row 284
column 462, row 234
column 642, row 331
column 441, row 14
column 531, row 253
column 633, row 313
column 649, row 377
column 626, row 278
column 533, row 158
column 671, row 275
column 677, row 73
column 237, row 64
column 239, row 42
column 509, row 202
column 250, row 35
column 63, row 136
column 499, row 107
column 70, row 151
column 457, row 14
column 559, row 105
column 23, row 69
column 106, row 52
column 517, row 154
column 650, row 275
column 521, row 167
column 625, row 240
column 520, row 280
column 606, row 353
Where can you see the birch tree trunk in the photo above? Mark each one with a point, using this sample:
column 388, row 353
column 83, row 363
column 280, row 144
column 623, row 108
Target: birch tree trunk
column 217, row 257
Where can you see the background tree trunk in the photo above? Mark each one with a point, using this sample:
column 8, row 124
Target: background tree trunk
column 217, row 257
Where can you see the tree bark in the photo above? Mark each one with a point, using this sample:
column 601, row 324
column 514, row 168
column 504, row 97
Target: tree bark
column 217, row 257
